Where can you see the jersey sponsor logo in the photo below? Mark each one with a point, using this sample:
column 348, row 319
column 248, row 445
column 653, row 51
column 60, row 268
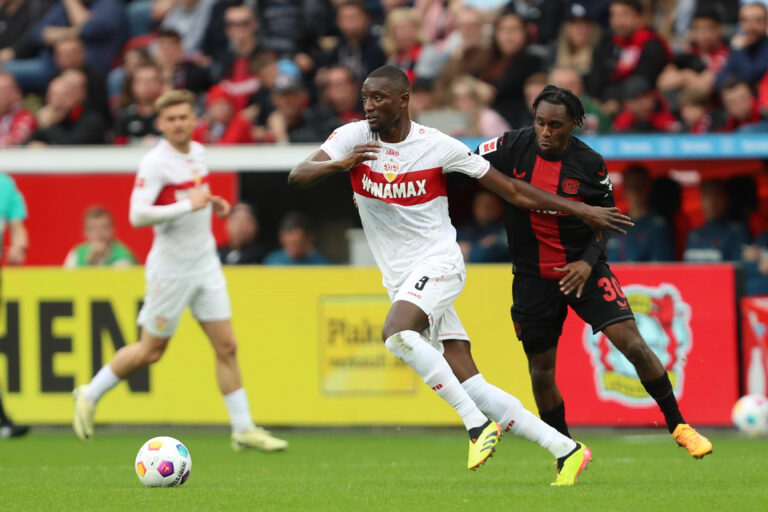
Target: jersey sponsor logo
column 489, row 146
column 174, row 192
column 571, row 186
column 406, row 189
column 664, row 320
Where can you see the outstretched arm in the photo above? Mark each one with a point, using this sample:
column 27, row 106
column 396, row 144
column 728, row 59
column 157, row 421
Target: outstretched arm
column 319, row 165
column 525, row 195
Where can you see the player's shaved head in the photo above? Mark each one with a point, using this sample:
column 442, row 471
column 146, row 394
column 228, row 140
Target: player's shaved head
column 398, row 80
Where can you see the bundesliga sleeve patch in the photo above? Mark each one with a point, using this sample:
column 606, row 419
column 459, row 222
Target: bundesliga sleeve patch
column 489, row 146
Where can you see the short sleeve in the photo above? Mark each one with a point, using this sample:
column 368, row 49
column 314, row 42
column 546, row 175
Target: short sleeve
column 344, row 138
column 491, row 149
column 458, row 158
column 149, row 182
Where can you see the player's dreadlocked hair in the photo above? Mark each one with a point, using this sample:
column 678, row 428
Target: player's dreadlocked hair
column 562, row 96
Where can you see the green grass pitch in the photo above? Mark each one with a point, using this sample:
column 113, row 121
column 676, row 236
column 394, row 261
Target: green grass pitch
column 382, row 470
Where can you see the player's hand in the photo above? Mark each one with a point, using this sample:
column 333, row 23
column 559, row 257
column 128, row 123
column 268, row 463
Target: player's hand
column 199, row 197
column 600, row 219
column 221, row 206
column 16, row 255
column 576, row 276
column 361, row 153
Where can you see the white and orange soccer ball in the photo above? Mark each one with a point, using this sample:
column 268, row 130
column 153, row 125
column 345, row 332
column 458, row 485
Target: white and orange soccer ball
column 163, row 462
column 750, row 415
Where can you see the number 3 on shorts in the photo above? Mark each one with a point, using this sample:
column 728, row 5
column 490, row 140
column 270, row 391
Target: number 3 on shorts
column 421, row 283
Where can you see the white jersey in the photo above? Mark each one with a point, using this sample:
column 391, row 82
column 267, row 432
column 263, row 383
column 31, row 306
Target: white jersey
column 402, row 197
column 185, row 245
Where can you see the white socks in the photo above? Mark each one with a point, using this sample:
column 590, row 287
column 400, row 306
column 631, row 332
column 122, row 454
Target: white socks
column 509, row 413
column 434, row 369
column 239, row 411
column 102, row 382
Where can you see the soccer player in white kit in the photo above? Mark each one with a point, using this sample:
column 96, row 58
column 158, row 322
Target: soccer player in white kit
column 171, row 193
column 397, row 169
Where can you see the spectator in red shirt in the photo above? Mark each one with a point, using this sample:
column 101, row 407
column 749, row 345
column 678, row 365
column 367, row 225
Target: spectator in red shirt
column 403, row 40
column 698, row 67
column 17, row 124
column 631, row 49
column 234, row 71
column 222, row 123
column 695, row 109
column 645, row 110
column 741, row 107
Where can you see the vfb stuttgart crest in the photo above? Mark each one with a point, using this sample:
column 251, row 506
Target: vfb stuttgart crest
column 664, row 321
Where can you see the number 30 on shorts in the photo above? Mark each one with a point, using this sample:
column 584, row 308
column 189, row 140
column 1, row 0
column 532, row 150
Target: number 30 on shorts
column 421, row 283
column 611, row 287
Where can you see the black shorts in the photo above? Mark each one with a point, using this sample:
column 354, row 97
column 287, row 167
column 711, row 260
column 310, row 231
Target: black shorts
column 539, row 307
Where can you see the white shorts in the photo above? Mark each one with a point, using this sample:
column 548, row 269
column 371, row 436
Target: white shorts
column 434, row 292
column 166, row 299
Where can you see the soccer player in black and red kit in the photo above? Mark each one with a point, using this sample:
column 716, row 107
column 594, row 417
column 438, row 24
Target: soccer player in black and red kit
column 559, row 263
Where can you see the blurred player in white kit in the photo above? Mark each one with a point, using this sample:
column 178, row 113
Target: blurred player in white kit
column 171, row 193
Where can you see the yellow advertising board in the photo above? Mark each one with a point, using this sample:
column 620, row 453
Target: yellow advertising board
column 309, row 339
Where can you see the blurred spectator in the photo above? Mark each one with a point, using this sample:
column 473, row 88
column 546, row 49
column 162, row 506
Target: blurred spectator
column 234, row 71
column 242, row 228
column 645, row 110
column 100, row 248
column 465, row 52
column 631, row 49
column 756, row 266
column 741, row 107
column 69, row 53
column 695, row 109
column 298, row 243
column 177, row 72
column 64, row 119
column 750, row 61
column 136, row 122
column 17, row 124
column 471, row 98
column 188, row 18
column 719, row 239
column 577, row 41
column 532, row 87
column 508, row 66
column 542, row 17
column 403, row 40
column 436, row 17
column 485, row 239
column 215, row 41
column 651, row 238
column 341, row 94
column 13, row 212
column 422, row 97
column 222, row 123
column 358, row 49
column 697, row 68
column 293, row 120
column 595, row 120
column 98, row 23
column 17, row 18
column 283, row 26
column 119, row 79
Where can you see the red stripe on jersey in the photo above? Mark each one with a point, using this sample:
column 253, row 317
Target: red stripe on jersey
column 406, row 189
column 546, row 176
column 167, row 194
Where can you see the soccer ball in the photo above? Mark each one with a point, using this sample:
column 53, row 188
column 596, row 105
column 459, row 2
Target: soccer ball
column 163, row 462
column 750, row 415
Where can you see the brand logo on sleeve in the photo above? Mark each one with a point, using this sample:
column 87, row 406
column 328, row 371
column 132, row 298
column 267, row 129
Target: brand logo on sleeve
column 489, row 146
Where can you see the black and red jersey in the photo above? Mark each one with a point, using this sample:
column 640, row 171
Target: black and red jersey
column 540, row 241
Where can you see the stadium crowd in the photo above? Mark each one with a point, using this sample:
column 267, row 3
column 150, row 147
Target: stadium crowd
column 88, row 71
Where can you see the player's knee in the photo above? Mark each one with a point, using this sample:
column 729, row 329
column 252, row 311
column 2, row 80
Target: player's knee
column 152, row 355
column 542, row 376
column 637, row 352
column 226, row 349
